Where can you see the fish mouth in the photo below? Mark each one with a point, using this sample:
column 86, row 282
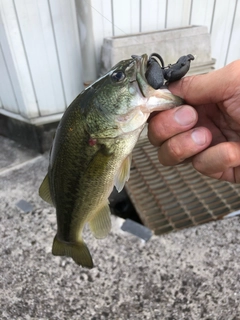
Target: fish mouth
column 157, row 99
column 141, row 66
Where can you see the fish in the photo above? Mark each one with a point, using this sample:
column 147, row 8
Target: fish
column 91, row 152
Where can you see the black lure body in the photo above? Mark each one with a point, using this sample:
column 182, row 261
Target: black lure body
column 156, row 74
column 178, row 70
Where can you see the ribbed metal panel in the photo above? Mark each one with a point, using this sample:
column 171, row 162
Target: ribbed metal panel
column 40, row 59
column 172, row 198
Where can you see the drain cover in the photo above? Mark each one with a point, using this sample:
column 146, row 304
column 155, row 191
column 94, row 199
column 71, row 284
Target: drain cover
column 172, row 198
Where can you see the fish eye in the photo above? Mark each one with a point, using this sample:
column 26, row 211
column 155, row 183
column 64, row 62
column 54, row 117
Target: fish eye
column 118, row 76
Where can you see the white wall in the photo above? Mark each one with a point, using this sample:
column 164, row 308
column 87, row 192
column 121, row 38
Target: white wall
column 48, row 48
column 118, row 17
column 40, row 59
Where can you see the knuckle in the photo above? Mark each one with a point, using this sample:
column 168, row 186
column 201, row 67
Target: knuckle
column 186, row 84
column 165, row 131
column 175, row 151
column 235, row 65
column 231, row 156
column 231, row 88
column 158, row 130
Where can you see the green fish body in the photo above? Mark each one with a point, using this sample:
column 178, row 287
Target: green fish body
column 91, row 152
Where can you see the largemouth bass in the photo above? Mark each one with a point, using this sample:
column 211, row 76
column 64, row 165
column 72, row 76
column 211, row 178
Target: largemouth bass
column 91, row 152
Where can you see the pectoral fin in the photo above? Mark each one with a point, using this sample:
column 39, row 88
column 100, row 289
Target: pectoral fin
column 44, row 191
column 100, row 224
column 123, row 174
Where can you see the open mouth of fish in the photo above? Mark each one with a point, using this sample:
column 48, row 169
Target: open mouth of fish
column 154, row 99
column 141, row 62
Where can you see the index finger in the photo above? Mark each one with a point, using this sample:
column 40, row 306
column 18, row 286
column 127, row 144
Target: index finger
column 214, row 87
column 168, row 123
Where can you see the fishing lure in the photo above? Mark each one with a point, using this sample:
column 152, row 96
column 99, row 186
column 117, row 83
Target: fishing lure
column 157, row 73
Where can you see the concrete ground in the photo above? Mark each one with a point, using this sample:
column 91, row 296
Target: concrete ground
column 190, row 274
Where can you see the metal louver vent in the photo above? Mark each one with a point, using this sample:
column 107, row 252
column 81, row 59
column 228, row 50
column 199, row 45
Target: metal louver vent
column 172, row 198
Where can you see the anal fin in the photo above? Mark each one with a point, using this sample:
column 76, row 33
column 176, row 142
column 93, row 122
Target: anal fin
column 77, row 251
column 44, row 191
column 100, row 224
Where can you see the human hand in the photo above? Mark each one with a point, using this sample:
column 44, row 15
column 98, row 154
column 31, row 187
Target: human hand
column 207, row 130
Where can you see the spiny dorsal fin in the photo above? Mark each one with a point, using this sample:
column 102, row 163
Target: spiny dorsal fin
column 123, row 173
column 44, row 191
column 100, row 224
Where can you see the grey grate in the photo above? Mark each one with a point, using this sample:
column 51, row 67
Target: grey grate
column 172, row 198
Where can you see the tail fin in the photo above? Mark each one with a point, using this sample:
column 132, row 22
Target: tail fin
column 77, row 251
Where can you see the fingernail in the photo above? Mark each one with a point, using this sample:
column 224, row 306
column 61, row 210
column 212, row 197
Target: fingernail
column 185, row 116
column 199, row 137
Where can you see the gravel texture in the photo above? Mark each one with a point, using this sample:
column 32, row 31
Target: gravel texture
column 190, row 274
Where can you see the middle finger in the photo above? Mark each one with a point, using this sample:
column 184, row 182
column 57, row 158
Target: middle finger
column 183, row 146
